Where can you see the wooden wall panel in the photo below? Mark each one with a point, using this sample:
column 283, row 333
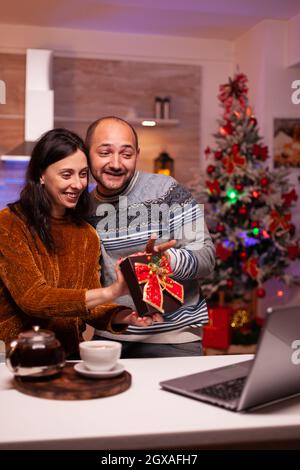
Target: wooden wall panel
column 86, row 89
column 12, row 72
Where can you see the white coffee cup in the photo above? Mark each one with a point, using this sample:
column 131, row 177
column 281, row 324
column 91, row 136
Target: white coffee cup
column 100, row 355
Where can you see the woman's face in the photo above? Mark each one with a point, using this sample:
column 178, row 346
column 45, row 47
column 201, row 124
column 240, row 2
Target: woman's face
column 64, row 182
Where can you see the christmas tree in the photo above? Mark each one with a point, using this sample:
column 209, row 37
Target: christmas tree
column 250, row 205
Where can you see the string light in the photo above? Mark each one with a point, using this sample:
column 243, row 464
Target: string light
column 232, row 195
column 280, row 293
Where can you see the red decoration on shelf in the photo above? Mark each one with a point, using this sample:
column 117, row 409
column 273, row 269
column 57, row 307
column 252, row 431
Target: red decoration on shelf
column 243, row 255
column 260, row 292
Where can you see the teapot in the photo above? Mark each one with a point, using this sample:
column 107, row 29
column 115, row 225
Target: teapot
column 35, row 353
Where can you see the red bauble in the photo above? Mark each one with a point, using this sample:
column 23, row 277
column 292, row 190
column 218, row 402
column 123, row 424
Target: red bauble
column 264, row 181
column 220, row 228
column 210, row 169
column 253, row 121
column 230, row 283
column 239, row 186
column 243, row 210
column 260, row 292
column 243, row 255
column 254, row 224
column 218, row 155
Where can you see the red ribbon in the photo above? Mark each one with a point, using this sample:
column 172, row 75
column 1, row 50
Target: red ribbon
column 156, row 277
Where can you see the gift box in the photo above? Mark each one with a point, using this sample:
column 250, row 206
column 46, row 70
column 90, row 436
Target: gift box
column 220, row 316
column 214, row 337
column 218, row 333
column 149, row 279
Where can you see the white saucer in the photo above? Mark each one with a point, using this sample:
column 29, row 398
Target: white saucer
column 83, row 370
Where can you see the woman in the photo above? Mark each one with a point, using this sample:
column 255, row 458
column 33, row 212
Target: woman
column 49, row 256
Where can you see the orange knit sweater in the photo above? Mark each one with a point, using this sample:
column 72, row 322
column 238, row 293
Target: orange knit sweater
column 38, row 287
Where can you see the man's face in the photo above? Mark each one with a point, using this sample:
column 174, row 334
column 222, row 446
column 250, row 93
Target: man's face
column 113, row 156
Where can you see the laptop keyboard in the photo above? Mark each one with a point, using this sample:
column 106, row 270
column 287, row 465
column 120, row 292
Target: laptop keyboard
column 227, row 391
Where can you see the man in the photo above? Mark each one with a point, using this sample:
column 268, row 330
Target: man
column 129, row 207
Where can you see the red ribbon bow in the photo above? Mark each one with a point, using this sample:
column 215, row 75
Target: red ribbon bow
column 156, row 276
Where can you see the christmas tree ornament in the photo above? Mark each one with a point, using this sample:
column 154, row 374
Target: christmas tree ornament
column 260, row 292
column 239, row 187
column 243, row 210
column 220, row 228
column 230, row 283
column 256, row 194
column 210, row 169
column 264, row 182
column 218, row 155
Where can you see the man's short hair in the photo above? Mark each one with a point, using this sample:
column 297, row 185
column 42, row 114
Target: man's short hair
column 92, row 127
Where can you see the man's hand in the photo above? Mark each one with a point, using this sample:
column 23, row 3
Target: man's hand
column 130, row 317
column 151, row 249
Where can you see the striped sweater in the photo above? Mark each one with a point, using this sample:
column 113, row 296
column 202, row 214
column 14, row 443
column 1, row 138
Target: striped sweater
column 154, row 203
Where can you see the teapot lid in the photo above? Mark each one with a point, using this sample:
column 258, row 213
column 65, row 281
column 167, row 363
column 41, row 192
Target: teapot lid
column 36, row 335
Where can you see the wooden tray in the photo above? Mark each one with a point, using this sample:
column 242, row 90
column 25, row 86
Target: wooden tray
column 69, row 385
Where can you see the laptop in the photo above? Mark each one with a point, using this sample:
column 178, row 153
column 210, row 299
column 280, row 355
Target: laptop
column 274, row 373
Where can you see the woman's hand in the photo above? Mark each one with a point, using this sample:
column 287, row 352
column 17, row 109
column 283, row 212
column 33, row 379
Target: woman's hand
column 130, row 317
column 119, row 287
